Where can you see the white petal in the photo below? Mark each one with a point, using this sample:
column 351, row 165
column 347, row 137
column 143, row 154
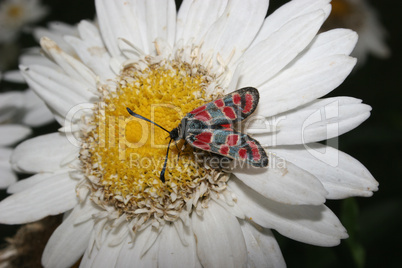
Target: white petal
column 160, row 20
column 13, row 99
column 267, row 58
column 37, row 113
column 241, row 17
column 196, row 17
column 220, row 242
column 283, row 182
column 119, row 21
column 262, row 248
column 27, row 183
column 10, row 102
column 91, row 50
column 337, row 41
column 42, row 154
column 70, row 240
column 7, row 176
column 228, row 205
column 138, row 22
column 59, row 91
column 53, row 196
column 304, row 83
column 98, row 238
column 38, row 117
column 342, row 175
column 90, row 253
column 35, row 56
column 172, row 252
column 31, row 100
column 13, row 76
column 62, row 28
column 55, row 31
column 316, row 225
column 108, row 255
column 288, row 12
column 319, row 120
column 182, row 16
column 71, row 66
column 10, row 134
column 130, row 253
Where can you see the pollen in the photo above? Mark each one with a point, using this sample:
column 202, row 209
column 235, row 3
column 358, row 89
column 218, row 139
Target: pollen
column 124, row 155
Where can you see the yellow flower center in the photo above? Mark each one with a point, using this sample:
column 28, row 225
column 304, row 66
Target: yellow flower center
column 340, row 8
column 344, row 14
column 15, row 11
column 126, row 154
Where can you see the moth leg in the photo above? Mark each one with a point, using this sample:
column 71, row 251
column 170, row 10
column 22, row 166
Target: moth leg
column 184, row 145
column 182, row 148
column 175, row 143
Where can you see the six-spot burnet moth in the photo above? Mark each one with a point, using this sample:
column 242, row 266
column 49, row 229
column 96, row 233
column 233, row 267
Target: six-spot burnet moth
column 211, row 128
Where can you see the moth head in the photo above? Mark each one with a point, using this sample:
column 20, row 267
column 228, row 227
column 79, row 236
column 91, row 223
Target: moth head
column 174, row 134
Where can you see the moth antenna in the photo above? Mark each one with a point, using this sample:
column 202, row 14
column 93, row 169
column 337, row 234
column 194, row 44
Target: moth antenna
column 162, row 176
column 146, row 119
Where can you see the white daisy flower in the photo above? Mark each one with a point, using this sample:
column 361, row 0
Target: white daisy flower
column 15, row 14
column 103, row 167
column 359, row 16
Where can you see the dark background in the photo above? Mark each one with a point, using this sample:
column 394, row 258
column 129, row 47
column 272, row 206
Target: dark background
column 374, row 224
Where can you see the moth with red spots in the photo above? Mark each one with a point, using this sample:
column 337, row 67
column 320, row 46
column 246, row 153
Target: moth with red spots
column 211, row 128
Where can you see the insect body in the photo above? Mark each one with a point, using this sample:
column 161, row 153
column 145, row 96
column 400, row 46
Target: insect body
column 211, row 128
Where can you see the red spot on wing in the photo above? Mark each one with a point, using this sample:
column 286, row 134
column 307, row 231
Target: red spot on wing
column 219, row 103
column 255, row 151
column 203, row 116
column 201, row 145
column 232, row 139
column 236, row 99
column 226, row 126
column 243, row 153
column 252, row 144
column 249, row 103
column 224, row 150
column 197, row 110
column 204, row 137
column 229, row 112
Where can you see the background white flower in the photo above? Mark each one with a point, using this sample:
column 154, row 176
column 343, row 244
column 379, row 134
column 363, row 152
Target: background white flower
column 34, row 112
column 15, row 14
column 21, row 110
column 10, row 132
column 359, row 16
column 291, row 68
